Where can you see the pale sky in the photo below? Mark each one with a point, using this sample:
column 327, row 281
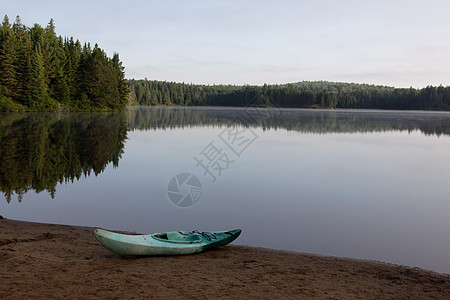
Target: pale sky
column 398, row 43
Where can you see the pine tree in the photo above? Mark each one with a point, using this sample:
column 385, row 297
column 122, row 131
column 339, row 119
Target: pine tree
column 71, row 64
column 53, row 59
column 8, row 75
column 40, row 70
column 23, row 66
column 39, row 91
column 122, row 84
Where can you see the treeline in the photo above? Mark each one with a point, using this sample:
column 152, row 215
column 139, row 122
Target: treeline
column 42, row 71
column 320, row 94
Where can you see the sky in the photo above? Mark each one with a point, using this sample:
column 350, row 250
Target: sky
column 399, row 43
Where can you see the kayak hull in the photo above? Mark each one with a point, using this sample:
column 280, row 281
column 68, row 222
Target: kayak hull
column 159, row 245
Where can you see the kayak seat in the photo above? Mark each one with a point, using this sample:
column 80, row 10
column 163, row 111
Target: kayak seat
column 163, row 236
column 178, row 237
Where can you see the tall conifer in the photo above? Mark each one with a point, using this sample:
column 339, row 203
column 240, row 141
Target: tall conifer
column 39, row 69
column 8, row 75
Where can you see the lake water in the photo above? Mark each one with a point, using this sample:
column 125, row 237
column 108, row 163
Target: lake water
column 363, row 184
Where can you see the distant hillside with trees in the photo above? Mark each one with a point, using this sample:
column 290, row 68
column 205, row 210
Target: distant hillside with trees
column 319, row 94
column 40, row 71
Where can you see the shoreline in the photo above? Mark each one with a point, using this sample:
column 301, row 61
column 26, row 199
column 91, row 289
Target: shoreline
column 42, row 260
column 230, row 107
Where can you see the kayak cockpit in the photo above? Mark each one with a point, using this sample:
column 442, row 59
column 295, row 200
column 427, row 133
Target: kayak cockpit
column 178, row 237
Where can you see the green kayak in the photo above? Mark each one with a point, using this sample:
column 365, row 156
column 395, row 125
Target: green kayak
column 164, row 243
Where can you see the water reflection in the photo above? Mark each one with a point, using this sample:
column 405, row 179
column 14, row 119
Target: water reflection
column 39, row 150
column 301, row 120
column 362, row 184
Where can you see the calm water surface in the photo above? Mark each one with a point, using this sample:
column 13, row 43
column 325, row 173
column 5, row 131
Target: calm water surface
column 363, row 184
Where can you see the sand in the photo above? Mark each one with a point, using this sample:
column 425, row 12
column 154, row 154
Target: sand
column 45, row 261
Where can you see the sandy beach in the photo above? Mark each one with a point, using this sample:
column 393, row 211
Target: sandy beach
column 46, row 261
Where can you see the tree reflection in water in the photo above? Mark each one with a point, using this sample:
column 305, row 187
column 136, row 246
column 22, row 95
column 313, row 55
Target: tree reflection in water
column 41, row 149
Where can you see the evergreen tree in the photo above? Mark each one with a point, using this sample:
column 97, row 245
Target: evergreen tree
column 71, row 65
column 43, row 71
column 8, row 74
column 37, row 83
column 122, row 84
column 23, row 65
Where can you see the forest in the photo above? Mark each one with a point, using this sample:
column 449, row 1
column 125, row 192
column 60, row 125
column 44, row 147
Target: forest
column 40, row 71
column 319, row 94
